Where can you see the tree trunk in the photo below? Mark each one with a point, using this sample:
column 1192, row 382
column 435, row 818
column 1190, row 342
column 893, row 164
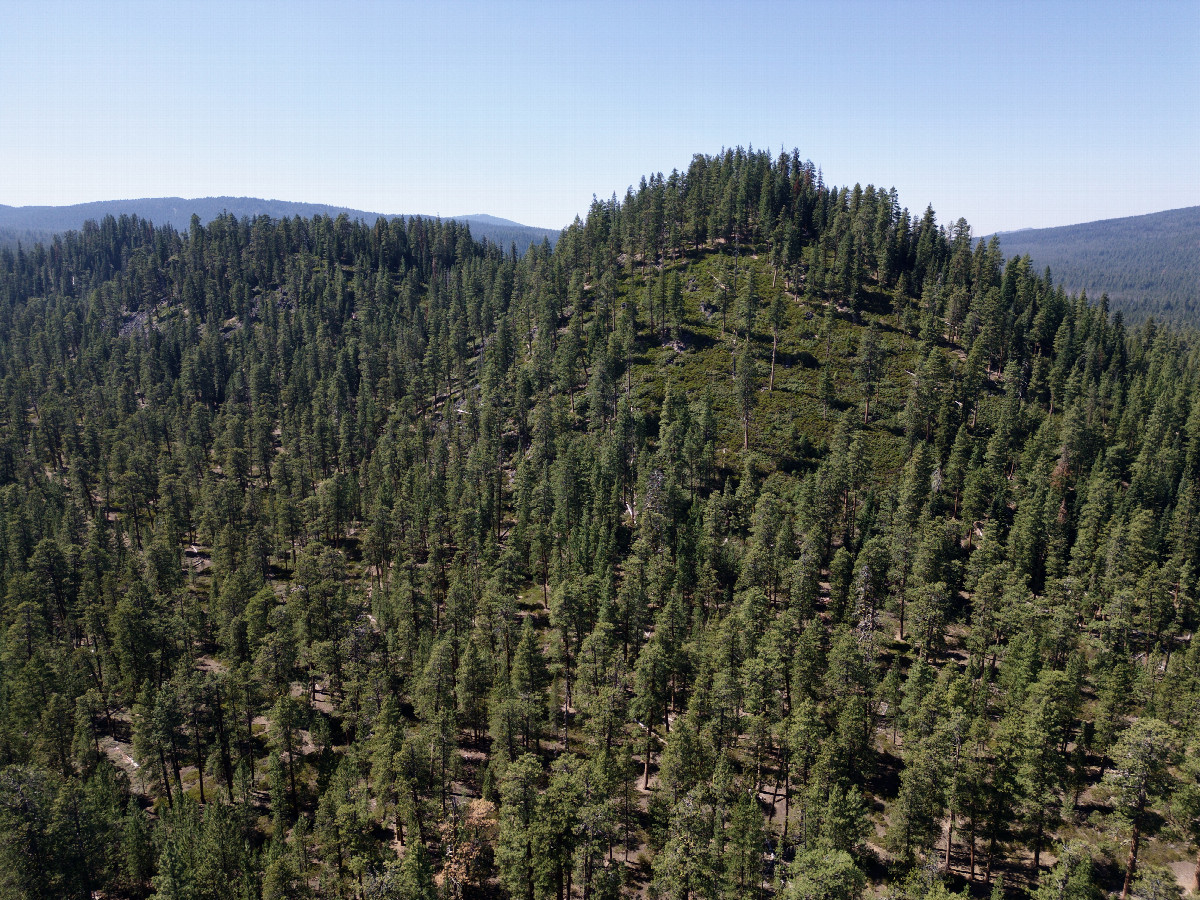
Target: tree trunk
column 223, row 742
column 949, row 843
column 625, row 819
column 174, row 754
column 758, row 755
column 774, row 345
column 292, row 776
column 528, row 870
column 1133, row 855
column 249, row 730
column 1037, row 847
column 971, row 851
column 162, row 764
column 787, row 797
column 199, row 755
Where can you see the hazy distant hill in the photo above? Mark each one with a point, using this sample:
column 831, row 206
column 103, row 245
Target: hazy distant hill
column 1149, row 265
column 29, row 224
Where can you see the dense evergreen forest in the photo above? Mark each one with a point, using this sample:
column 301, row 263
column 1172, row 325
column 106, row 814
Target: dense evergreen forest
column 761, row 538
column 1148, row 265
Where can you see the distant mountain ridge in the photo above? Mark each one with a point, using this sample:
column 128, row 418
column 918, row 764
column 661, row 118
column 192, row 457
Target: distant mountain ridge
column 1148, row 264
column 29, row 224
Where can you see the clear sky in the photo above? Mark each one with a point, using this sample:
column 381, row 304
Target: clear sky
column 1010, row 114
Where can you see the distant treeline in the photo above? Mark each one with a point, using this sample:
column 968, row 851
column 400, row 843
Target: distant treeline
column 1148, row 265
column 12, row 238
column 32, row 224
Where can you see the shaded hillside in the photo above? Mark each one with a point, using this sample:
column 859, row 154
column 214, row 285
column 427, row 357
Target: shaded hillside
column 1148, row 265
column 25, row 222
column 760, row 539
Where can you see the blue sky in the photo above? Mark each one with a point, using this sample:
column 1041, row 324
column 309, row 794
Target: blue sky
column 1010, row 114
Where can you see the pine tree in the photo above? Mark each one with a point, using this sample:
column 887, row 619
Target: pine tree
column 778, row 316
column 868, row 369
column 824, row 874
column 1140, row 775
column 517, row 823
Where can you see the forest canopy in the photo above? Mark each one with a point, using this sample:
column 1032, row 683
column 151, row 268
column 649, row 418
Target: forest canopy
column 760, row 537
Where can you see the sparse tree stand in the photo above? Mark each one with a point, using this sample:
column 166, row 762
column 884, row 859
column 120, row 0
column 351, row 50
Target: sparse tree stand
column 1140, row 774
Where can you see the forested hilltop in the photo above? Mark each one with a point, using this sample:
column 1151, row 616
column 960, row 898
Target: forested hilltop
column 759, row 539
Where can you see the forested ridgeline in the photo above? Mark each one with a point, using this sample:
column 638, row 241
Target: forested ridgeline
column 760, row 538
column 1147, row 264
column 28, row 225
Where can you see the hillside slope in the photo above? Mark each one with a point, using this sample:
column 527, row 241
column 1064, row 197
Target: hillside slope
column 1148, row 265
column 758, row 539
